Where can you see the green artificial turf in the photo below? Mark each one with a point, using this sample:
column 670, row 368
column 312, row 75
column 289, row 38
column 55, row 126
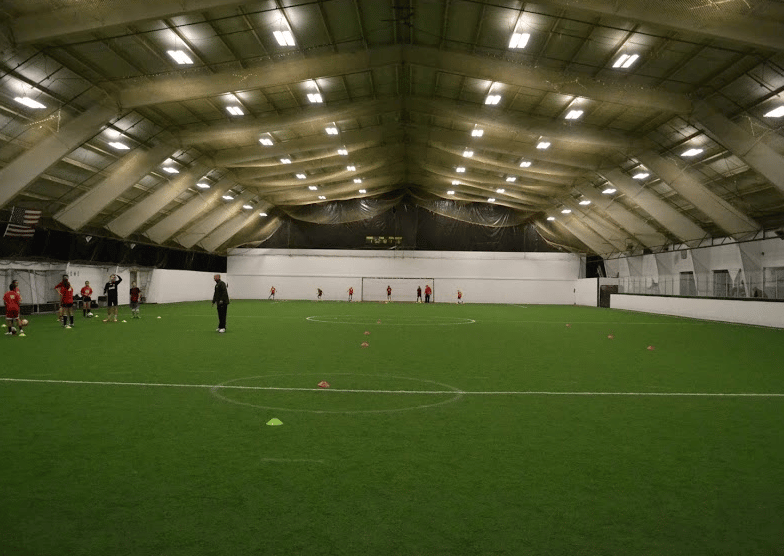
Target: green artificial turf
column 483, row 459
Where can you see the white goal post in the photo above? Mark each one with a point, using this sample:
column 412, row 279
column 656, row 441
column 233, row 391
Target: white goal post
column 403, row 289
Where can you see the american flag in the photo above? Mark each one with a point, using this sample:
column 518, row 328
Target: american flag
column 22, row 223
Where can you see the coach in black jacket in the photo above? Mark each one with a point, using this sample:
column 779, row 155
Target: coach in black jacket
column 221, row 297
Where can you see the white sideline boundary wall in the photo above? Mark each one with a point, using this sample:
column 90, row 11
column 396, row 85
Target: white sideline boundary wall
column 524, row 278
column 759, row 313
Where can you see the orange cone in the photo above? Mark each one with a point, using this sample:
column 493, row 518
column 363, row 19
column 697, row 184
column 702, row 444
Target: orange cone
column 323, row 384
column 367, row 333
column 378, row 322
column 568, row 326
column 611, row 337
column 651, row 348
column 365, row 344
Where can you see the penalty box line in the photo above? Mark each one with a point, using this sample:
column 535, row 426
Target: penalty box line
column 419, row 392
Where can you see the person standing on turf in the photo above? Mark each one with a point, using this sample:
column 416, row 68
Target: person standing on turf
column 110, row 289
column 57, row 289
column 428, row 293
column 320, row 293
column 86, row 294
column 135, row 293
column 351, row 294
column 272, row 293
column 419, row 294
column 389, row 293
column 67, row 302
column 12, row 299
column 221, row 297
column 459, row 296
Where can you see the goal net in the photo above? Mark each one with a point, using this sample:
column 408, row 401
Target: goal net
column 403, row 289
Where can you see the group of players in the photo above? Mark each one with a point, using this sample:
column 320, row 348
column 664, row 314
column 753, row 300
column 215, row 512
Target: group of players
column 13, row 299
column 428, row 293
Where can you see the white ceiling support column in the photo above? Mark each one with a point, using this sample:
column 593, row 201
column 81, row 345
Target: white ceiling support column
column 639, row 228
column 25, row 168
column 682, row 180
column 519, row 74
column 232, row 227
column 250, row 132
column 179, row 218
column 671, row 14
column 752, row 150
column 614, row 235
column 125, row 173
column 46, row 25
column 133, row 218
column 258, row 155
column 199, row 230
column 583, row 138
column 670, row 219
column 275, row 73
column 582, row 232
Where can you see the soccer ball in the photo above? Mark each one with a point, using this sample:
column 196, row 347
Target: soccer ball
column 25, row 322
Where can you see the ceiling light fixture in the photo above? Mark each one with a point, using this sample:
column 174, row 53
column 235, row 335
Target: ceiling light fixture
column 460, row 170
column 625, row 60
column 640, row 176
column 301, row 176
column 574, row 114
column 455, row 182
column 322, row 197
column 203, row 185
column 331, row 130
column 609, row 191
column 519, row 40
column 542, row 145
column 363, row 191
column 477, row 132
column 585, row 202
column 692, row 152
column 119, row 146
column 351, row 168
column 313, row 187
column 357, row 180
column 267, row 142
column 500, row 190
column 247, row 207
column 228, row 197
column 284, row 38
column 450, row 192
column 566, row 211
column 342, row 152
column 493, row 99
column 262, row 214
column 551, row 218
column 180, row 56
column 775, row 113
column 235, row 111
column 285, row 160
column 511, row 179
column 525, row 164
column 170, row 170
column 30, row 103
column 468, row 154
column 315, row 98
column 491, row 200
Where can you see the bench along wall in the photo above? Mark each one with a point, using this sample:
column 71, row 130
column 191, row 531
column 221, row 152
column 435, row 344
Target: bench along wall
column 546, row 278
column 762, row 313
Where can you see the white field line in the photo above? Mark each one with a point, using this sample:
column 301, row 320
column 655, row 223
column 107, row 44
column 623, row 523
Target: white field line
column 399, row 392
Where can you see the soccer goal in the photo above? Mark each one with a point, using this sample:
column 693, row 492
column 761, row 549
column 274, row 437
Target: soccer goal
column 403, row 289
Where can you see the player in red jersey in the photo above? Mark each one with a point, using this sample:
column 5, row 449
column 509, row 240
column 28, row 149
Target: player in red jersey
column 12, row 299
column 419, row 294
column 428, row 293
column 57, row 289
column 351, row 294
column 135, row 294
column 389, row 293
column 320, row 293
column 67, row 302
column 86, row 293
column 272, row 293
column 459, row 296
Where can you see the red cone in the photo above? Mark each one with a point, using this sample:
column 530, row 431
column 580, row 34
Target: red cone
column 610, row 336
column 323, row 384
column 367, row 333
column 651, row 348
column 378, row 322
column 365, row 344
column 568, row 326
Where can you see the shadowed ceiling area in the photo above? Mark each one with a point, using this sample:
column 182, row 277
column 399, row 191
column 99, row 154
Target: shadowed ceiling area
column 204, row 124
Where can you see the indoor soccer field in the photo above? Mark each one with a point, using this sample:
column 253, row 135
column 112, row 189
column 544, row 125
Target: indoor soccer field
column 458, row 430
